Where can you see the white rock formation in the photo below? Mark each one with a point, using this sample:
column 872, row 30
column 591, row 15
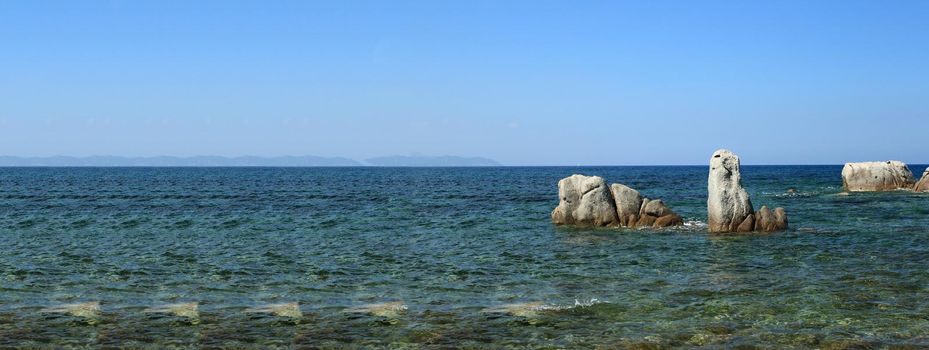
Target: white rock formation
column 729, row 208
column 584, row 200
column 587, row 201
column 876, row 176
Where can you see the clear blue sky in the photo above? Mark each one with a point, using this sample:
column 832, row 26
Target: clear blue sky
column 525, row 83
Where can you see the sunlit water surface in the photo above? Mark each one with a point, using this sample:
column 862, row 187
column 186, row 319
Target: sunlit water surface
column 446, row 258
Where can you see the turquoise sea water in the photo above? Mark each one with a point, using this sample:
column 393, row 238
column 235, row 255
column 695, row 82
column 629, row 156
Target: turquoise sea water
column 447, row 258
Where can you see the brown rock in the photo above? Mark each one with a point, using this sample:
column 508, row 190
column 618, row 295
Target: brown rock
column 645, row 221
column 780, row 219
column 668, row 220
column 747, row 225
column 770, row 221
column 923, row 184
column 655, row 213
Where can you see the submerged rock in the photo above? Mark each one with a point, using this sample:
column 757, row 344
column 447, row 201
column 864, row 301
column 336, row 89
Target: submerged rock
column 923, row 184
column 290, row 310
column 89, row 309
column 729, row 208
column 584, row 200
column 391, row 309
column 530, row 309
column 876, row 176
column 188, row 310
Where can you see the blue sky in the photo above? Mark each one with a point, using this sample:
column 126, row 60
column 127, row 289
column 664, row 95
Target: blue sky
column 522, row 82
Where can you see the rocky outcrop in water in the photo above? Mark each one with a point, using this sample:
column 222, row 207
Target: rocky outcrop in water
column 770, row 221
column 586, row 201
column 876, row 176
column 923, row 184
column 643, row 212
column 729, row 208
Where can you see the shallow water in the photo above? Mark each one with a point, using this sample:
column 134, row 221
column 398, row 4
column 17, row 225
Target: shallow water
column 446, row 257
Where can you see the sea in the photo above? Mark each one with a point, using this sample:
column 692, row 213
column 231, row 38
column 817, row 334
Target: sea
column 447, row 258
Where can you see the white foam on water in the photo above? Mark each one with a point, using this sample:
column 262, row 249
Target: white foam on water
column 531, row 309
column 695, row 224
column 789, row 194
column 577, row 304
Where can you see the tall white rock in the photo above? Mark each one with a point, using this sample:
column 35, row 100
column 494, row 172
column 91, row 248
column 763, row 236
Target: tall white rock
column 584, row 200
column 876, row 176
column 729, row 208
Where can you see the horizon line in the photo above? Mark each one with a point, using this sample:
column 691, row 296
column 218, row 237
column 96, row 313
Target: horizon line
column 352, row 162
column 411, row 166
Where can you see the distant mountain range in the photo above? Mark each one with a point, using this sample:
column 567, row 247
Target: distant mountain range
column 286, row 161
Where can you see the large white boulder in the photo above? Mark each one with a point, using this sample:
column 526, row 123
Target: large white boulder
column 585, row 201
column 876, row 176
